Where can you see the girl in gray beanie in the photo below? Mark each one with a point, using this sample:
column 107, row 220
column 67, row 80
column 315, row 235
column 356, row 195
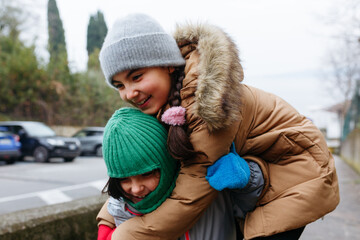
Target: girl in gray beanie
column 192, row 83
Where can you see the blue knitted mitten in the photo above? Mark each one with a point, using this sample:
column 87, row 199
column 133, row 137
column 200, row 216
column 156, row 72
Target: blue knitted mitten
column 230, row 171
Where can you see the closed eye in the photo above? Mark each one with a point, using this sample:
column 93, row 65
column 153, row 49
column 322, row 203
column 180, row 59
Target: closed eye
column 147, row 174
column 136, row 77
column 153, row 172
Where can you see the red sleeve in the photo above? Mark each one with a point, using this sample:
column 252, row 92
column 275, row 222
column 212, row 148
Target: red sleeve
column 104, row 232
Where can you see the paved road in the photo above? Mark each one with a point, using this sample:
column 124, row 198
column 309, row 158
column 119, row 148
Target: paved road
column 344, row 222
column 28, row 184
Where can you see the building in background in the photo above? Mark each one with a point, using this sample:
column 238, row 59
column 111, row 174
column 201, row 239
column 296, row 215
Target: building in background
column 329, row 122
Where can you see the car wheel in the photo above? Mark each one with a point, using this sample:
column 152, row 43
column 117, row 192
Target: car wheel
column 11, row 160
column 69, row 159
column 98, row 151
column 41, row 154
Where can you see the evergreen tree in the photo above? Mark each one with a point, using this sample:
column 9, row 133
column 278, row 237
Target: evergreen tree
column 93, row 61
column 56, row 42
column 96, row 32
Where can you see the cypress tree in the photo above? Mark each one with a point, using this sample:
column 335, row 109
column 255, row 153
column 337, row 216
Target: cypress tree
column 96, row 32
column 56, row 42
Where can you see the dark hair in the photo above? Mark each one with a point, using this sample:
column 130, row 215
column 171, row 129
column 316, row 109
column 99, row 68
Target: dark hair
column 113, row 188
column 178, row 141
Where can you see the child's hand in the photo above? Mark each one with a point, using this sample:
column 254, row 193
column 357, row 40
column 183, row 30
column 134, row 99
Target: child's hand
column 105, row 232
column 229, row 171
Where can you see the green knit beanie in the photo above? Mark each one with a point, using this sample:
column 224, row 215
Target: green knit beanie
column 136, row 143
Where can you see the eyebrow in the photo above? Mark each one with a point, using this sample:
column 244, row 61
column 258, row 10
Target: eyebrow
column 127, row 75
column 131, row 72
column 113, row 81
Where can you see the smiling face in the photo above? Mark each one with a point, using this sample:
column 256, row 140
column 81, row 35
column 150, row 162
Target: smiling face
column 145, row 88
column 139, row 186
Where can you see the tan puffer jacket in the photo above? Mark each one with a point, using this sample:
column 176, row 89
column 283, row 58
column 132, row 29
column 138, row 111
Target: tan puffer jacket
column 300, row 177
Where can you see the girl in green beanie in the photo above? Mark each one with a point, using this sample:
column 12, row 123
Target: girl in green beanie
column 134, row 144
column 142, row 175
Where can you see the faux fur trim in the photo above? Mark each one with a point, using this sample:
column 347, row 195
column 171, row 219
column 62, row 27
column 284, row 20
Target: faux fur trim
column 217, row 98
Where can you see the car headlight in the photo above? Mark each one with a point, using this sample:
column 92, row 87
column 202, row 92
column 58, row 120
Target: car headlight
column 55, row 142
column 77, row 142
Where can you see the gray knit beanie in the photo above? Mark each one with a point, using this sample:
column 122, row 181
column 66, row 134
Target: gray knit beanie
column 137, row 41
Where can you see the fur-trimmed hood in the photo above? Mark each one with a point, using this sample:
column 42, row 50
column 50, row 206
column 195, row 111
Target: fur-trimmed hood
column 218, row 96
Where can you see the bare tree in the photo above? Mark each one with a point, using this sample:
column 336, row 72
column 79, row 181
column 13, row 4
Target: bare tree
column 343, row 59
column 344, row 62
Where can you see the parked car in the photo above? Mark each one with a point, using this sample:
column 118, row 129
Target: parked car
column 9, row 146
column 40, row 141
column 91, row 140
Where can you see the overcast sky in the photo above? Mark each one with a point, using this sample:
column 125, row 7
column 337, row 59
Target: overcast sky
column 282, row 43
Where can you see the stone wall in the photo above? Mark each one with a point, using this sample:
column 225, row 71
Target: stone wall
column 65, row 221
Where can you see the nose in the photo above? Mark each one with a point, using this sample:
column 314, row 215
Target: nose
column 137, row 188
column 131, row 93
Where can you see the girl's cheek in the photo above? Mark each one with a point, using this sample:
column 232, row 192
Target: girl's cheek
column 155, row 183
column 125, row 187
column 121, row 95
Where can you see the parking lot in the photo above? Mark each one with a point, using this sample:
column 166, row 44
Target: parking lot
column 29, row 184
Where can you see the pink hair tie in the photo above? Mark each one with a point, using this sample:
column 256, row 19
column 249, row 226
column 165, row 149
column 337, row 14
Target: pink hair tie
column 174, row 116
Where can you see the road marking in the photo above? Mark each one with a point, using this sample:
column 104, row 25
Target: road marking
column 98, row 184
column 55, row 195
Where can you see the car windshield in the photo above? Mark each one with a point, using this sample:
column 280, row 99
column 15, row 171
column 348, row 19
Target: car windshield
column 38, row 129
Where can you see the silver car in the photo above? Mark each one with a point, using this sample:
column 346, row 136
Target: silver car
column 91, row 140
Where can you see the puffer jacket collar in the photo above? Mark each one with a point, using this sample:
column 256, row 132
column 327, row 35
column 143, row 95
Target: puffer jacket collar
column 218, row 93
